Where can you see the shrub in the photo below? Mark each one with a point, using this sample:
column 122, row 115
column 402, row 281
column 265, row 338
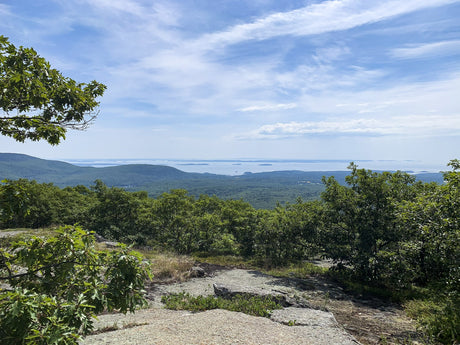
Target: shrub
column 58, row 284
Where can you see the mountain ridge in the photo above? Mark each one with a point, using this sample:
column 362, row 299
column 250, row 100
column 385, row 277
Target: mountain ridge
column 262, row 190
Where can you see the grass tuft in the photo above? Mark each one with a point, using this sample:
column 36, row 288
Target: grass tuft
column 300, row 270
column 438, row 318
column 224, row 260
column 168, row 268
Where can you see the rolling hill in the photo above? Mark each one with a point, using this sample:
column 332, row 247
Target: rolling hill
column 262, row 190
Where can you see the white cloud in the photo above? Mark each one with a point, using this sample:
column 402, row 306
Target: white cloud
column 327, row 16
column 155, row 63
column 414, row 125
column 321, row 127
column 419, row 109
column 269, row 107
column 427, row 50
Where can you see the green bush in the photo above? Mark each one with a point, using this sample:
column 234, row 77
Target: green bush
column 57, row 285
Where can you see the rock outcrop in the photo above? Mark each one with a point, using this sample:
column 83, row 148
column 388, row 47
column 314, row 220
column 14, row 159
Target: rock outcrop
column 281, row 297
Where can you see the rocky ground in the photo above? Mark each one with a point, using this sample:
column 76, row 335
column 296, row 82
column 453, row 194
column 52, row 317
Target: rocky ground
column 316, row 312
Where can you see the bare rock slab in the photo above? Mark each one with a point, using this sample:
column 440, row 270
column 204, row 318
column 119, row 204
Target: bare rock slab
column 216, row 327
column 304, row 317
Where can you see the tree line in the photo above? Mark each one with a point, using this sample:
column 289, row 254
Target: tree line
column 384, row 229
column 386, row 226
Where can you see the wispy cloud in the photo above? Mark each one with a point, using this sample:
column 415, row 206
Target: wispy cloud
column 417, row 109
column 4, row 9
column 269, row 107
column 331, row 54
column 399, row 99
column 325, row 69
column 156, row 63
column 427, row 50
column 124, row 6
column 327, row 16
column 158, row 12
column 325, row 77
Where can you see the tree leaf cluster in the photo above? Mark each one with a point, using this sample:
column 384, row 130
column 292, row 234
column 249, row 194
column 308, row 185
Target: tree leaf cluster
column 57, row 285
column 37, row 101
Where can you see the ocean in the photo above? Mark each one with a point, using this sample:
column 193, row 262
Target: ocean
column 242, row 166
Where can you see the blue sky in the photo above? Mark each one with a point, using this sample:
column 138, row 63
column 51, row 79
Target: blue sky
column 223, row 79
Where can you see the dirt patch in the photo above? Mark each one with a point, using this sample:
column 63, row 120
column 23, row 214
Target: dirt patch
column 370, row 321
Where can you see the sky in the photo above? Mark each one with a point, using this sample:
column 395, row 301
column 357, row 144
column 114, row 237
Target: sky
column 234, row 79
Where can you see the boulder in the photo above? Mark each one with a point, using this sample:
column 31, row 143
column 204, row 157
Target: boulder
column 197, row 272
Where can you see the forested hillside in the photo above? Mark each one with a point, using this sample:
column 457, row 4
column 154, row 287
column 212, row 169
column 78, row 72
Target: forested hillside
column 261, row 190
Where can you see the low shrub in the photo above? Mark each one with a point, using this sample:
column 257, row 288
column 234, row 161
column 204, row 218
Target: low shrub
column 438, row 319
column 251, row 305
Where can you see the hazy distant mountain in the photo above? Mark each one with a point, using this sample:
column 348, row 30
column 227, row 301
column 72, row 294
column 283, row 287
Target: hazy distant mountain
column 263, row 190
column 14, row 166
